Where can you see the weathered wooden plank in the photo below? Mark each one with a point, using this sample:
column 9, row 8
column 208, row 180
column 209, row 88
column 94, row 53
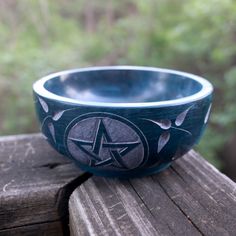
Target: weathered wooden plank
column 190, row 198
column 35, row 183
column 107, row 207
column 45, row 229
column 205, row 195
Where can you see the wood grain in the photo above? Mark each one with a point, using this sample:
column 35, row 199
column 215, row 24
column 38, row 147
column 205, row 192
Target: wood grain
column 35, row 185
column 45, row 229
column 190, row 198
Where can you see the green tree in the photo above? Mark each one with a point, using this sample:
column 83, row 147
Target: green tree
column 39, row 37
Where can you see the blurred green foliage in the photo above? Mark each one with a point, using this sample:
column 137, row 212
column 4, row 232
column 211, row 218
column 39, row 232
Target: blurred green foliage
column 40, row 37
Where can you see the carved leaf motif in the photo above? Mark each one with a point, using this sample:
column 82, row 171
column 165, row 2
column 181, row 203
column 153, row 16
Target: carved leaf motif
column 57, row 115
column 163, row 140
column 207, row 114
column 52, row 131
column 181, row 117
column 164, row 124
column 43, row 104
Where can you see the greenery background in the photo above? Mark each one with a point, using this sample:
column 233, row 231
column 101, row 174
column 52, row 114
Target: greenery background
column 40, row 37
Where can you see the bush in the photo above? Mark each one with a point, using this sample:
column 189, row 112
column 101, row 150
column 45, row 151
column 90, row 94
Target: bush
column 45, row 36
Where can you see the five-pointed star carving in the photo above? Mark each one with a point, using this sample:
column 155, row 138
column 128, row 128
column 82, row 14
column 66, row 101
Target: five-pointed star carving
column 102, row 140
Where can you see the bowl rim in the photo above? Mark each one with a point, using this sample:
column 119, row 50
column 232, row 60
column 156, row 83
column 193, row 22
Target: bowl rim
column 207, row 88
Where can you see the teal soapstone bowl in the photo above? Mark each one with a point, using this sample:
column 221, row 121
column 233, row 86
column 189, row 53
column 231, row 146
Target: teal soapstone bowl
column 122, row 121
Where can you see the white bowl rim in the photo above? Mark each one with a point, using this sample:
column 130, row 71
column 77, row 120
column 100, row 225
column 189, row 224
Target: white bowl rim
column 206, row 89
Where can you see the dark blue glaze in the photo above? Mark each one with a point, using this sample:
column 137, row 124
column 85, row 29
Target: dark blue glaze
column 123, row 121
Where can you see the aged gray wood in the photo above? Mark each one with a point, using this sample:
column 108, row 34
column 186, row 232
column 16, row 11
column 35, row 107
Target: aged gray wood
column 45, row 229
column 35, row 184
column 190, row 198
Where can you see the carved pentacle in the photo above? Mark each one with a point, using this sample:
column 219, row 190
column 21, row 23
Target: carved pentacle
column 106, row 141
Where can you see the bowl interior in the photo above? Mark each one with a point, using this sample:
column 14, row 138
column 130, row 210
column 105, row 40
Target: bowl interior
column 122, row 86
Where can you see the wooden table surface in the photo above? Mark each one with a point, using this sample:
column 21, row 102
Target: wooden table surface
column 37, row 185
column 189, row 198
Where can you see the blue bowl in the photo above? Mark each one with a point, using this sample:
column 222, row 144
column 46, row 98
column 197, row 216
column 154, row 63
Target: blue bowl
column 122, row 121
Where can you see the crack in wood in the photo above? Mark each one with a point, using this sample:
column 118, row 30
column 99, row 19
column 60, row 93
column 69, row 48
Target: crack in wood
column 144, row 203
column 177, row 173
column 63, row 197
column 182, row 211
column 27, row 225
column 52, row 165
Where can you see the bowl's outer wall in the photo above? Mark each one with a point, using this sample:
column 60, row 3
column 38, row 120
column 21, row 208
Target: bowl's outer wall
column 164, row 133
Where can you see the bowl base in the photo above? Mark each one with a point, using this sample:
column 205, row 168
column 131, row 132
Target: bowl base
column 126, row 175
